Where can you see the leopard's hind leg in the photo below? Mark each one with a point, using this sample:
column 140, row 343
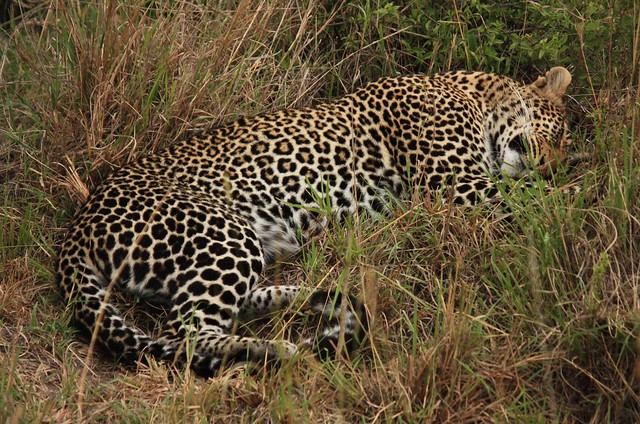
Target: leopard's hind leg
column 199, row 330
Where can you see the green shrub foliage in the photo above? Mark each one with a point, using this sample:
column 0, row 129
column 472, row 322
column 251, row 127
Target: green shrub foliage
column 511, row 37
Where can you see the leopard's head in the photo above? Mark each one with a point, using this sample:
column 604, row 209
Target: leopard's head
column 536, row 134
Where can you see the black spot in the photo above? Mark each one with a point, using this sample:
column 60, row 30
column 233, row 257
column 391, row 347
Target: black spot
column 159, row 231
column 210, row 274
column 153, row 284
column 125, row 238
column 480, row 185
column 226, row 263
column 243, row 268
column 256, row 266
column 176, row 243
column 184, row 263
column 194, row 226
column 161, row 251
column 188, row 249
column 203, row 259
column 214, row 290
column 377, row 205
column 228, row 298
column 196, row 288
column 434, row 182
column 241, row 288
column 186, row 311
column 140, row 271
column 201, row 242
column 229, row 279
column 463, row 188
column 518, row 144
column 145, row 241
column 118, row 256
column 217, row 249
column 186, row 277
column 125, row 275
column 234, row 233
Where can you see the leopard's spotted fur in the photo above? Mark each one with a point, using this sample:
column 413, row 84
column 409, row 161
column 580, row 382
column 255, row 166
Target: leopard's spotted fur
column 197, row 223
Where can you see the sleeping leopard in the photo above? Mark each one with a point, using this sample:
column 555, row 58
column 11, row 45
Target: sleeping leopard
column 195, row 224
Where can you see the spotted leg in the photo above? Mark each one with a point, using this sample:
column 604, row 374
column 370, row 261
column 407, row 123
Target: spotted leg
column 265, row 300
column 194, row 335
column 262, row 301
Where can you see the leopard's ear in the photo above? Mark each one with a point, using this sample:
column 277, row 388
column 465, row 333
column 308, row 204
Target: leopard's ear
column 554, row 84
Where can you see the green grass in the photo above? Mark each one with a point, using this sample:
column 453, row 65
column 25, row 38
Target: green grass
column 534, row 318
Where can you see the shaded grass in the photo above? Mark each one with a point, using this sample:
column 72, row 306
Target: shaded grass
column 474, row 317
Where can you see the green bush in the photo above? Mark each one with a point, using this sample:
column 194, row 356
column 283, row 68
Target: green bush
column 518, row 38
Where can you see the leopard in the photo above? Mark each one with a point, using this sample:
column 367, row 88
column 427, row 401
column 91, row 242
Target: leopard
column 193, row 226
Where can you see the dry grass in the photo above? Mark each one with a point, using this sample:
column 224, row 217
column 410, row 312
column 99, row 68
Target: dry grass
column 475, row 318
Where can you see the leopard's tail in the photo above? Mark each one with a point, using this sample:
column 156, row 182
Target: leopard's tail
column 102, row 323
column 94, row 315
